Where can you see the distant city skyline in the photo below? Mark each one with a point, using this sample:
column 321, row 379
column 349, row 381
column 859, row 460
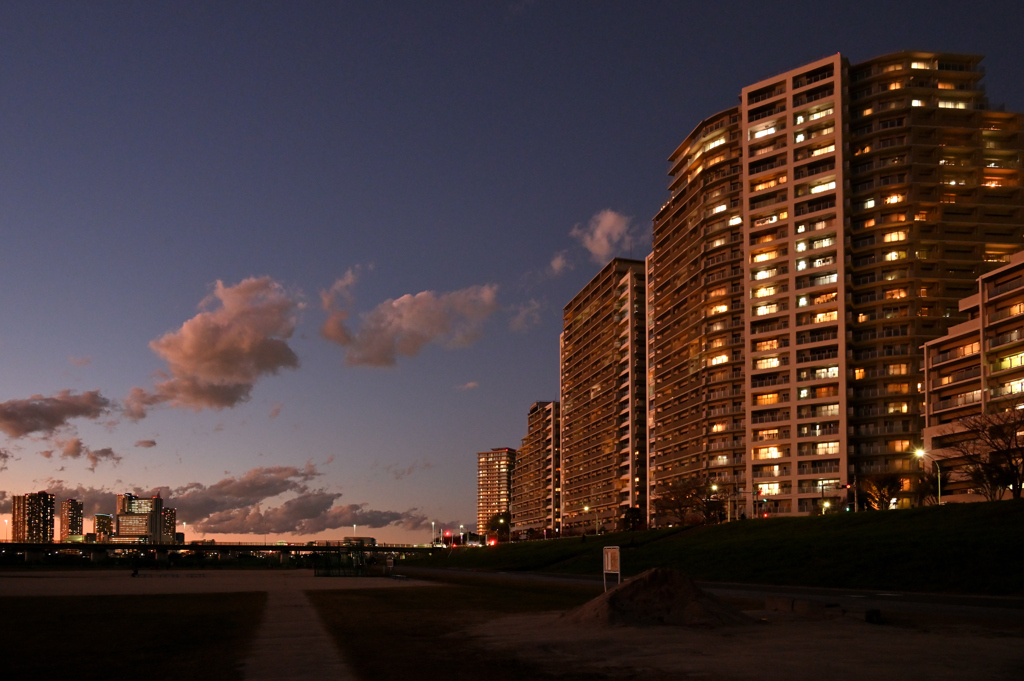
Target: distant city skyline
column 292, row 266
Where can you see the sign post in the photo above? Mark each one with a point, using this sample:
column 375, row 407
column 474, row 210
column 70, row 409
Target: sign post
column 611, row 565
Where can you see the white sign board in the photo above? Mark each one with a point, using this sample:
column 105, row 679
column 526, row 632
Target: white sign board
column 611, row 565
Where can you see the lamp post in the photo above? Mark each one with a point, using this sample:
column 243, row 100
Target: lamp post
column 921, row 454
column 501, row 523
column 586, row 509
column 432, row 535
column 462, row 535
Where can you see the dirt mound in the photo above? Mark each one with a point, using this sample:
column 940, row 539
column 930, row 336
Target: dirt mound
column 658, row 596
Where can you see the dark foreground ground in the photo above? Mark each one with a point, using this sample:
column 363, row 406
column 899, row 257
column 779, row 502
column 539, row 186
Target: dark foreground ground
column 465, row 627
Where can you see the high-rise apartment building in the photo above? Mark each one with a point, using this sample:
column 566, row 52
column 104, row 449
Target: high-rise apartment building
column 168, row 525
column 493, row 484
column 32, row 516
column 697, row 294
column 103, row 526
column 976, row 368
column 817, row 235
column 536, row 487
column 603, row 399
column 70, row 518
column 139, row 519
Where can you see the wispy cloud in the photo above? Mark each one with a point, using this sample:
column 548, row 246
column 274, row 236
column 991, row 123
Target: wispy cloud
column 74, row 448
column 275, row 411
column 79, row 361
column 215, row 358
column 44, row 415
column 468, row 386
column 145, row 444
column 606, row 234
column 398, row 472
column 559, row 263
column 5, row 456
column 403, row 326
column 526, row 315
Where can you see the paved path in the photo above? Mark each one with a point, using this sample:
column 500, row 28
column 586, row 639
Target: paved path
column 292, row 644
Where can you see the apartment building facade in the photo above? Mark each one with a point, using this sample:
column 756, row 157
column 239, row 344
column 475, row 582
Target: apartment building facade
column 536, row 481
column 493, row 484
column 976, row 368
column 603, row 399
column 70, row 518
column 817, row 235
column 32, row 518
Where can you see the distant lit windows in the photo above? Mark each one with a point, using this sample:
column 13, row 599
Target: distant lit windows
column 823, row 187
column 772, row 452
column 820, row 151
column 765, row 274
column 895, row 293
column 770, row 308
column 897, row 388
column 714, row 143
column 866, row 204
column 952, row 104
column 719, row 208
column 735, row 220
column 858, row 374
column 896, row 255
column 896, row 369
column 764, row 133
column 895, row 198
column 720, row 291
column 718, row 309
column 764, row 291
column 921, row 65
column 767, row 363
column 820, row 114
column 895, row 85
column 718, row 359
column 827, row 316
column 767, row 255
column 890, row 237
column 916, row 102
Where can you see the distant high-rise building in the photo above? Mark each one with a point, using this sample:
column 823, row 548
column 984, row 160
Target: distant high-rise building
column 103, row 526
column 169, row 525
column 817, row 236
column 139, row 518
column 494, row 483
column 536, row 488
column 33, row 518
column 603, row 400
column 70, row 518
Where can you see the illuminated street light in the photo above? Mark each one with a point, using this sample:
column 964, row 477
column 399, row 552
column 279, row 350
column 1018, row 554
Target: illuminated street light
column 432, row 534
column 921, row 454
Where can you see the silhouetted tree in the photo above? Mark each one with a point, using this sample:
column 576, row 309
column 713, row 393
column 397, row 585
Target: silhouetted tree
column 989, row 448
column 685, row 497
column 880, row 488
column 633, row 520
column 499, row 524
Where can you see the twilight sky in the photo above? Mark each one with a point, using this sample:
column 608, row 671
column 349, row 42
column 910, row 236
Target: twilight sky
column 294, row 263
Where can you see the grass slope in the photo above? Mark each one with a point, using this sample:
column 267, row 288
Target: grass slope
column 962, row 548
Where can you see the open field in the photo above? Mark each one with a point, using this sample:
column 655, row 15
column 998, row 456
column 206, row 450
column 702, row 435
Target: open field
column 957, row 548
column 281, row 624
column 168, row 636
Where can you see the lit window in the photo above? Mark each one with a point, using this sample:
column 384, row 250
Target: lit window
column 801, row 301
column 800, row 137
column 801, row 246
column 920, row 65
column 718, row 309
column 863, row 317
column 768, row 255
column 824, row 187
column 719, row 208
column 916, row 102
column 762, row 310
column 820, row 114
column 821, row 317
column 858, row 374
column 824, row 150
column 897, row 369
column 895, row 293
column 764, row 291
column 895, row 255
column 721, row 291
column 764, row 274
column 770, row 398
column 767, row 453
column 867, row 112
column 946, row 86
column 718, row 427
column 896, row 85
column 897, row 407
column 799, row 119
column 767, row 363
column 735, row 220
column 764, row 133
column 952, row 104
column 889, row 237
column 801, row 265
column 719, row 359
column 897, row 388
column 894, row 198
column 869, row 203
column 715, row 143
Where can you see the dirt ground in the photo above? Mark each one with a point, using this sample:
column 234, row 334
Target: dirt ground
column 783, row 646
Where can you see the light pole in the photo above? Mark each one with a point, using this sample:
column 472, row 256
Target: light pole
column 431, row 532
column 938, row 473
column 462, row 535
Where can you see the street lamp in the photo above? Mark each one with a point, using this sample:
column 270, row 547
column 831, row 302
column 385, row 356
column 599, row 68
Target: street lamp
column 432, row 535
column 462, row 535
column 921, row 454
